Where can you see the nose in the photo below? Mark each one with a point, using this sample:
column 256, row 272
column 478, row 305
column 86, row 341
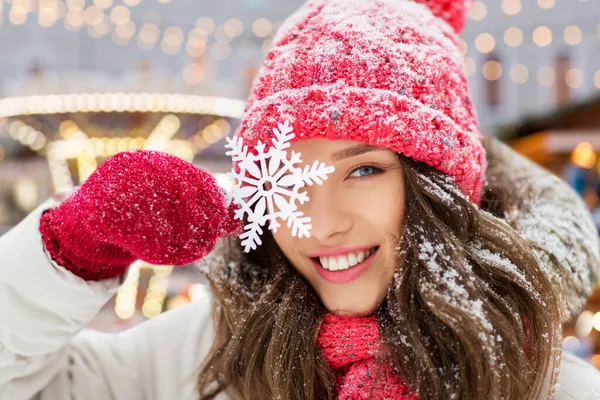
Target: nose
column 328, row 214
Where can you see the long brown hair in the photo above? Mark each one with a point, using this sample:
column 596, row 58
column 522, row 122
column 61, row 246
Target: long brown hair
column 469, row 314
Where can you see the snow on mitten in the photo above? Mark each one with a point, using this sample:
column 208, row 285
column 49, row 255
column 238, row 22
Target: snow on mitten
column 140, row 204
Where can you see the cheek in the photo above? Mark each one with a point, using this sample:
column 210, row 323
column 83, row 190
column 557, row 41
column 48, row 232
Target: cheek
column 382, row 208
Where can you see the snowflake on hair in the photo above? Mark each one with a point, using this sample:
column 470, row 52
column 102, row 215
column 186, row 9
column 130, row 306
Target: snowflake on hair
column 267, row 185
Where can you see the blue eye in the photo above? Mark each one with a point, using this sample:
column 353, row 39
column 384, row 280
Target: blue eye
column 363, row 172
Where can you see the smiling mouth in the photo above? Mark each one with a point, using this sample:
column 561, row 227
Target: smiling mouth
column 346, row 261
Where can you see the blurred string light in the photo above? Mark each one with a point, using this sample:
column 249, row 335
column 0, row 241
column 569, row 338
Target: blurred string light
column 172, row 40
column 193, row 73
column 120, row 15
column 123, row 33
column 519, row 73
column 478, row 11
column 262, row 27
column 596, row 321
column 574, row 78
column 147, row 36
column 206, row 24
column 121, row 102
column 513, row 37
column 209, row 135
column 233, row 27
column 572, row 35
column 222, row 36
column 584, row 156
column 511, row 7
column 485, row 43
column 19, row 11
column 103, row 4
column 492, row 70
column 104, row 17
column 126, row 299
column 27, row 135
column 163, row 132
column 570, row 342
column 196, row 43
column 74, row 19
column 542, row 36
column 546, row 4
column 26, row 194
column 155, row 296
column 583, row 325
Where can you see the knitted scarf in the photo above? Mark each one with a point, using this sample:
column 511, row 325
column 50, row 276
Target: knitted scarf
column 351, row 346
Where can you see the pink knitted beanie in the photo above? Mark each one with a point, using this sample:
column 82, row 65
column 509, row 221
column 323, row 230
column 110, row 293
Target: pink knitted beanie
column 384, row 72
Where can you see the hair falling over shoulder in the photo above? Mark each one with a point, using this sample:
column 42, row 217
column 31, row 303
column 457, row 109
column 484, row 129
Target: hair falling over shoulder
column 469, row 315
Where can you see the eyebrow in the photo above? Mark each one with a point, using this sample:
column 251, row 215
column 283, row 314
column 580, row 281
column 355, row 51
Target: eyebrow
column 353, row 151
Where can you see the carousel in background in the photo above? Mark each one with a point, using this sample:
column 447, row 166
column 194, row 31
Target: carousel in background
column 90, row 78
column 65, row 135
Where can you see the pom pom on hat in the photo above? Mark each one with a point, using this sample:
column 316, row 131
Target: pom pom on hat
column 454, row 12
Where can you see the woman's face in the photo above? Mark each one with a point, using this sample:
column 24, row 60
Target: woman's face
column 356, row 218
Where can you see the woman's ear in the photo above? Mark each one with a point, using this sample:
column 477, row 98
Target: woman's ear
column 550, row 216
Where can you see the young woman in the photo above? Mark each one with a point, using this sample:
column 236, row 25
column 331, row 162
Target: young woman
column 415, row 277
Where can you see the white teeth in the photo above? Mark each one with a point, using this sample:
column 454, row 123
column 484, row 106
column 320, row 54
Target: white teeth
column 346, row 261
column 361, row 257
column 343, row 262
column 352, row 259
column 332, row 263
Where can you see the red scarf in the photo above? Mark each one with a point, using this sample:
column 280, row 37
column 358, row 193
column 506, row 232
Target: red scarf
column 351, row 345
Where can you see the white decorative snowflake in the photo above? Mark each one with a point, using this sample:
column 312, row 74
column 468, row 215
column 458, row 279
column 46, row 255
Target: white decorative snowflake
column 267, row 186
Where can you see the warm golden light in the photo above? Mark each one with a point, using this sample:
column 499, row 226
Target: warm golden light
column 492, row 70
column 574, row 78
column 542, row 36
column 519, row 73
column 513, row 37
column 573, row 35
column 206, row 24
column 234, row 27
column 585, row 157
column 546, row 4
column 262, row 27
column 511, row 7
column 485, row 43
column 584, row 326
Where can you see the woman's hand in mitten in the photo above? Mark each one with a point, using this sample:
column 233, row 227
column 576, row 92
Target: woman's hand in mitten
column 143, row 205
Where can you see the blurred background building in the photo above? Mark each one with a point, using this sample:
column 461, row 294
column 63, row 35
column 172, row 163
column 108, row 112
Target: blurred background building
column 83, row 79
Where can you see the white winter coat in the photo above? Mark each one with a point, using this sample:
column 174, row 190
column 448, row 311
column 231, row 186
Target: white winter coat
column 46, row 354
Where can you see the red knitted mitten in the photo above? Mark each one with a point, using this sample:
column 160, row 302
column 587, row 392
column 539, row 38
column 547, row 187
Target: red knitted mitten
column 139, row 204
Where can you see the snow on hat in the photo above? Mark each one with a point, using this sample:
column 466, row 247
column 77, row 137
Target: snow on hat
column 384, row 72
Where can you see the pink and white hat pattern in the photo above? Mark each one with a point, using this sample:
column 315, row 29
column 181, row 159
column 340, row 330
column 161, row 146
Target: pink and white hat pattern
column 384, row 72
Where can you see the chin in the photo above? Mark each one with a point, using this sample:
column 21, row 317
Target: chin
column 354, row 310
